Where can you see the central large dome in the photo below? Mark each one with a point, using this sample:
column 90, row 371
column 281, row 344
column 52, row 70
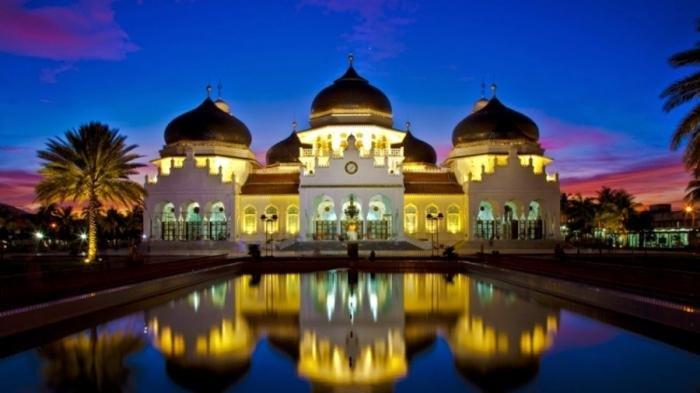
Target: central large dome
column 351, row 99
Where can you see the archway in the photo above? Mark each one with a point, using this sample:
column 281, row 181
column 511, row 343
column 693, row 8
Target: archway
column 325, row 220
column 485, row 221
column 511, row 227
column 193, row 222
column 168, row 222
column 379, row 218
column 534, row 221
column 352, row 224
column 218, row 224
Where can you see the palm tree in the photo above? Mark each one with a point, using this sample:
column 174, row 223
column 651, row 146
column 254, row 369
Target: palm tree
column 580, row 213
column 679, row 93
column 91, row 165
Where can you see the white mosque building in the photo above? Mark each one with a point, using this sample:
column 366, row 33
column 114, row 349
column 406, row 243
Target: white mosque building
column 351, row 176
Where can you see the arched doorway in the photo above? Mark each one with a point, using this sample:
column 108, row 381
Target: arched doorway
column 325, row 220
column 534, row 222
column 352, row 224
column 485, row 221
column 379, row 218
column 218, row 224
column 168, row 222
column 193, row 222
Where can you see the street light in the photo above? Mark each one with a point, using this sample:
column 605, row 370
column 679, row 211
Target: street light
column 690, row 210
column 268, row 220
column 435, row 220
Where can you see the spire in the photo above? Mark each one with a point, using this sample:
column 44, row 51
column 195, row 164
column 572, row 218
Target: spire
column 493, row 90
column 408, row 125
column 208, row 90
column 351, row 57
column 294, row 126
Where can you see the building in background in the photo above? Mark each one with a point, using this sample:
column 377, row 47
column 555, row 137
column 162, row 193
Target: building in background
column 351, row 176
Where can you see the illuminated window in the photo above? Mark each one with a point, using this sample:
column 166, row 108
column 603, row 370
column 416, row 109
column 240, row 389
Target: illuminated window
column 250, row 220
column 431, row 225
column 272, row 226
column 292, row 220
column 410, row 219
column 453, row 219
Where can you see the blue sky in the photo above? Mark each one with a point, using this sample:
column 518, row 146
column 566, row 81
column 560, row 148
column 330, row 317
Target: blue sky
column 589, row 73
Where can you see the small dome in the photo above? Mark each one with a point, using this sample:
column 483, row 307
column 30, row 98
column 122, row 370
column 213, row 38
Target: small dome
column 286, row 150
column 207, row 122
column 416, row 150
column 494, row 121
column 351, row 99
column 223, row 105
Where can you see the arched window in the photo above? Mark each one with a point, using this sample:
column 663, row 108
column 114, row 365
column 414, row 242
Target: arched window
column 410, row 219
column 272, row 226
column 431, row 225
column 250, row 220
column 454, row 222
column 292, row 220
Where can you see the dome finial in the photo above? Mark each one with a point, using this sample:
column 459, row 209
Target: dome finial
column 219, row 87
column 208, row 90
column 351, row 57
column 294, row 126
column 483, row 89
column 408, row 125
column 493, row 90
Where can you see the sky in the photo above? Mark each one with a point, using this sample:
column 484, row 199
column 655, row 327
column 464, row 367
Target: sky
column 589, row 73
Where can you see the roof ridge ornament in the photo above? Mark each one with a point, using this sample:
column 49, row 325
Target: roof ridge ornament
column 483, row 89
column 493, row 90
column 208, row 90
column 351, row 58
column 408, row 125
column 219, row 87
column 294, row 126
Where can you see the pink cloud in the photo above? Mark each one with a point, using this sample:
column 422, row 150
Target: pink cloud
column 661, row 180
column 17, row 187
column 79, row 31
column 379, row 26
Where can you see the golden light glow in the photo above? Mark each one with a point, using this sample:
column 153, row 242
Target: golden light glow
column 379, row 362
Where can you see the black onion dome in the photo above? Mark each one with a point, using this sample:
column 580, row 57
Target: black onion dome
column 286, row 150
column 207, row 122
column 494, row 121
column 416, row 150
column 351, row 99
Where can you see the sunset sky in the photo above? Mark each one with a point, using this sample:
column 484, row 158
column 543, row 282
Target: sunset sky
column 589, row 73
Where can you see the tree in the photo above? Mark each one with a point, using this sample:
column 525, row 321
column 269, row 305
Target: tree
column 91, row 165
column 580, row 213
column 681, row 92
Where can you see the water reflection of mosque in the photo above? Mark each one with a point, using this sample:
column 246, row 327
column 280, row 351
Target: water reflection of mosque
column 350, row 331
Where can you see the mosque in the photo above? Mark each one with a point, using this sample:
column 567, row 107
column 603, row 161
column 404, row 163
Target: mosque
column 352, row 175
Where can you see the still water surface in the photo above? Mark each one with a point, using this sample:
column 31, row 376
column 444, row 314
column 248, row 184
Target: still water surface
column 341, row 331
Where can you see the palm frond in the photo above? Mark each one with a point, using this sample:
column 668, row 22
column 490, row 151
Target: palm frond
column 691, row 56
column 687, row 128
column 682, row 91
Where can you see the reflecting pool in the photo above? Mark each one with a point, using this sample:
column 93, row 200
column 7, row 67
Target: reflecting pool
column 352, row 331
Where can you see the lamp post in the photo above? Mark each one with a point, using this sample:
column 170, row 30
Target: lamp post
column 690, row 210
column 435, row 220
column 268, row 220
